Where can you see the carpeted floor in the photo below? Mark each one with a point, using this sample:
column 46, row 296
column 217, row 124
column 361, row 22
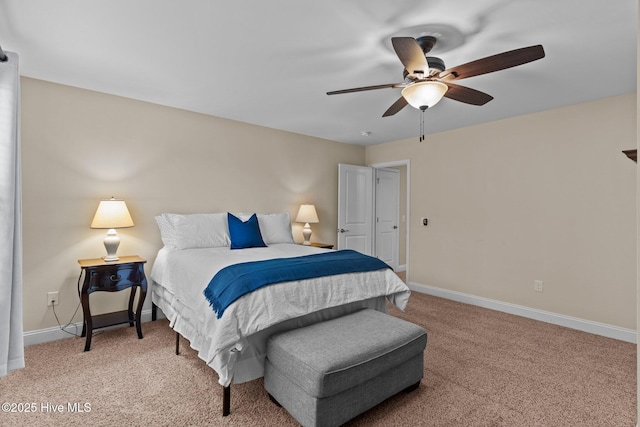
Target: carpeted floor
column 482, row 368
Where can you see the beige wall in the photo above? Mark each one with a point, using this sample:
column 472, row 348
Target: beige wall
column 80, row 146
column 546, row 196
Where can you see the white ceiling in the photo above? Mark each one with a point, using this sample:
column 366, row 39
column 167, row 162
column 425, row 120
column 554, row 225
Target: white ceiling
column 271, row 62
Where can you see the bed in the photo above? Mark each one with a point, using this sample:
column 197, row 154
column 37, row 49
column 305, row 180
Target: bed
column 197, row 246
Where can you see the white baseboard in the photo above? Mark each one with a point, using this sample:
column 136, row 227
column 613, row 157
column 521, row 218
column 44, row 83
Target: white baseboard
column 55, row 333
column 623, row 334
column 402, row 267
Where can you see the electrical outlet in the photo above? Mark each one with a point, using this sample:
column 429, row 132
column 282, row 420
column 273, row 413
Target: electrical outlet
column 537, row 285
column 52, row 299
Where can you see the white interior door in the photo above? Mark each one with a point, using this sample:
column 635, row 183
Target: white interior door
column 387, row 213
column 355, row 208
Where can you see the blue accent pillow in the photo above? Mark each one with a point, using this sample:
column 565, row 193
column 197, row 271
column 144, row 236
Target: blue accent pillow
column 244, row 234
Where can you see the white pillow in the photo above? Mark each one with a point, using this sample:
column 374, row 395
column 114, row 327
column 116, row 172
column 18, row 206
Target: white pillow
column 166, row 231
column 194, row 230
column 275, row 228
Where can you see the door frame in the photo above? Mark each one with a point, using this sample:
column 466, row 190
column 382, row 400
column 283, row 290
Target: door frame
column 406, row 163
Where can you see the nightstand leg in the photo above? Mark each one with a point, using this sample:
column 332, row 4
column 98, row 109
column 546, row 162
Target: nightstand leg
column 132, row 296
column 141, row 298
column 87, row 328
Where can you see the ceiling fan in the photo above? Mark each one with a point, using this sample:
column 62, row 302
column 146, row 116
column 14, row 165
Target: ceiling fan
column 426, row 80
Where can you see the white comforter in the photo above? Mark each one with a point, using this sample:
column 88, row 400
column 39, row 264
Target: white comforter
column 180, row 277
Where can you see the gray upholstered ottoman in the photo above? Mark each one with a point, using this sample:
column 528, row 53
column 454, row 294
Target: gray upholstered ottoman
column 327, row 373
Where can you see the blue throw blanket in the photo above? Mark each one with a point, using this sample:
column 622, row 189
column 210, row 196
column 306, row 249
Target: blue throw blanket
column 236, row 280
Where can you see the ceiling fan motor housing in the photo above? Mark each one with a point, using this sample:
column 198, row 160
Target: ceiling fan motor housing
column 436, row 66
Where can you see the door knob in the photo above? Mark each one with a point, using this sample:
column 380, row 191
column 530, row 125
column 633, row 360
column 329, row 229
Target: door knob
column 342, row 230
column 395, row 226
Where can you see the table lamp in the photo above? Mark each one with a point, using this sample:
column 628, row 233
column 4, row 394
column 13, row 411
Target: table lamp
column 308, row 215
column 112, row 214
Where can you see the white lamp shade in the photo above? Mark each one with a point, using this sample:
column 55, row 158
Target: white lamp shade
column 307, row 214
column 112, row 214
column 422, row 94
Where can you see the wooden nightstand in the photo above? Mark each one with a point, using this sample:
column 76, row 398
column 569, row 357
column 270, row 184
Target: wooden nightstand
column 321, row 245
column 99, row 275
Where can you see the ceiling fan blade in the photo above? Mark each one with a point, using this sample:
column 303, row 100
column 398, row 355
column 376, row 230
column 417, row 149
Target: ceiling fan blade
column 467, row 95
column 397, row 106
column 411, row 55
column 493, row 63
column 360, row 89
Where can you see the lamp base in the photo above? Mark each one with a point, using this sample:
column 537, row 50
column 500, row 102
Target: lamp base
column 306, row 233
column 111, row 243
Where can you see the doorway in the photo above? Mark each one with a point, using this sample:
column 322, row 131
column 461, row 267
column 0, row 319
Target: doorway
column 358, row 217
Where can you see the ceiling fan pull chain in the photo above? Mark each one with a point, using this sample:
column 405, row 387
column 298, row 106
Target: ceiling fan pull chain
column 422, row 109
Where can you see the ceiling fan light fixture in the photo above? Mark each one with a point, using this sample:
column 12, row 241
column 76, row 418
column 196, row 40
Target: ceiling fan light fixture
column 424, row 94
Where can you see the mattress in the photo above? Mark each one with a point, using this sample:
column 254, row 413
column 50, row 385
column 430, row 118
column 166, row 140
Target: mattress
column 235, row 345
